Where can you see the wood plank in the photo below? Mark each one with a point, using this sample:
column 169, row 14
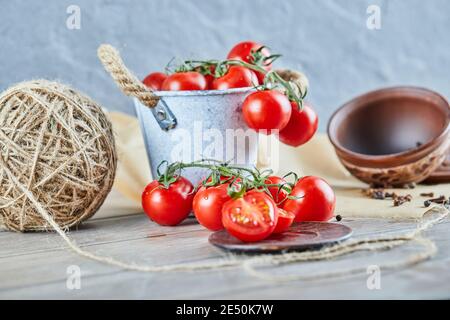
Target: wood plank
column 420, row 281
column 51, row 266
column 34, row 265
column 138, row 227
column 99, row 231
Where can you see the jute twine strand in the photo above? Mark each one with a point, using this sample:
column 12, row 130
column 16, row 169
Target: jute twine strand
column 366, row 244
column 58, row 145
column 428, row 251
column 127, row 82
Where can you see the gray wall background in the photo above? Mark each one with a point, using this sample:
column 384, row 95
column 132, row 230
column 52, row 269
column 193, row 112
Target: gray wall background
column 326, row 39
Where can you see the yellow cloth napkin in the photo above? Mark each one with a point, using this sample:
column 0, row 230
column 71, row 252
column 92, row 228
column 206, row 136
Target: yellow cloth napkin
column 317, row 157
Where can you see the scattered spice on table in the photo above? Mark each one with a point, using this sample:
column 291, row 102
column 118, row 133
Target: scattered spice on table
column 447, row 204
column 440, row 200
column 399, row 200
column 338, row 217
column 391, row 195
column 427, row 194
column 375, row 193
column 381, row 194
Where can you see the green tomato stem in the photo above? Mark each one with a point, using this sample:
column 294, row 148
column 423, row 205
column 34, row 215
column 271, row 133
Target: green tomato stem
column 240, row 178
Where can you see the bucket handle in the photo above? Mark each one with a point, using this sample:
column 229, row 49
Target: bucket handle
column 132, row 86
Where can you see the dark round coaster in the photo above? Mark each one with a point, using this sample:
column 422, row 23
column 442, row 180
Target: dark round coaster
column 442, row 174
column 300, row 237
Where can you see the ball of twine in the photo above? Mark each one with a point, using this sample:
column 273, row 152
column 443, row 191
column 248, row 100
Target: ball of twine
column 57, row 152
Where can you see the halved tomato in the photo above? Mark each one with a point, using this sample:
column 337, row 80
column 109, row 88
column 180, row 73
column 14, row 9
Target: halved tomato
column 285, row 220
column 250, row 218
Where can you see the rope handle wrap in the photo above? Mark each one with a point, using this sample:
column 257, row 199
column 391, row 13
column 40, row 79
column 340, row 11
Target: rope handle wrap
column 124, row 78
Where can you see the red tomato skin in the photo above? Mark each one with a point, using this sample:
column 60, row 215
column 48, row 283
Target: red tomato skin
column 301, row 126
column 236, row 77
column 266, row 111
column 209, row 81
column 155, row 80
column 277, row 196
column 317, row 200
column 184, row 81
column 247, row 204
column 285, row 220
column 243, row 51
column 207, row 205
column 208, row 77
column 260, row 76
column 170, row 206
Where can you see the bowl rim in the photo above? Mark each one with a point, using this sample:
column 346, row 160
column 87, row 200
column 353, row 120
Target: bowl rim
column 200, row 93
column 391, row 156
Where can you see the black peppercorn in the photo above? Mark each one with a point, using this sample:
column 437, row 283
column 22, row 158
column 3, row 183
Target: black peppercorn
column 427, row 194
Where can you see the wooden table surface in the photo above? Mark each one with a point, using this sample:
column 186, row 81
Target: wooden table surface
column 34, row 265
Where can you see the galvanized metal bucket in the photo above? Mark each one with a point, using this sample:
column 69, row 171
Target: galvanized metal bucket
column 182, row 125
column 191, row 125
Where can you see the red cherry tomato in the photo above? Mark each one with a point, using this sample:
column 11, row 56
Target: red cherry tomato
column 209, row 81
column 266, row 110
column 208, row 203
column 316, row 200
column 285, row 220
column 236, row 77
column 210, row 78
column 168, row 206
column 182, row 81
column 244, row 51
column 250, row 218
column 278, row 194
column 155, row 80
column 301, row 126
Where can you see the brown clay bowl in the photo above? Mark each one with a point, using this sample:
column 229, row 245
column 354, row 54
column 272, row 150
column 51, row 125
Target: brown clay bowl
column 393, row 136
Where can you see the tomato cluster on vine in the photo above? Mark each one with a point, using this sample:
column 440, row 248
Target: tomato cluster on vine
column 251, row 205
column 277, row 106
